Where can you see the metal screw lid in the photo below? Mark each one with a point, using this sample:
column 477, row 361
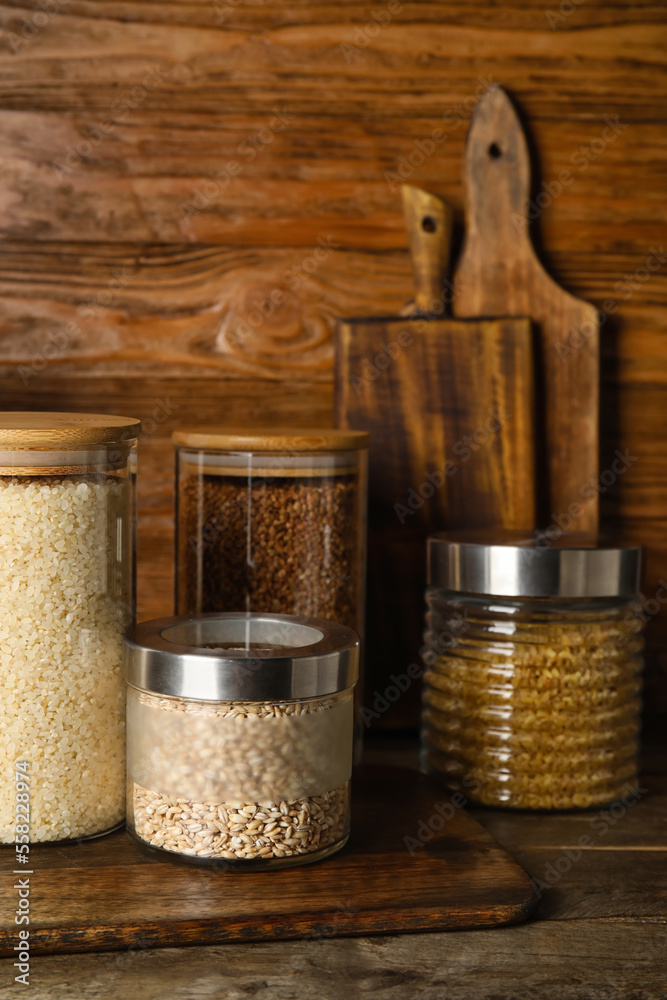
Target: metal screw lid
column 533, row 567
column 237, row 656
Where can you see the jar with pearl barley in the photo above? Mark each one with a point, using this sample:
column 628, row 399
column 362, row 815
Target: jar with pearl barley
column 239, row 738
column 533, row 680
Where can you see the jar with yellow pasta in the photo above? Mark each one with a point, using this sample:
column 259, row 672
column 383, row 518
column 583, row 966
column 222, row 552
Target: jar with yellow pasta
column 532, row 690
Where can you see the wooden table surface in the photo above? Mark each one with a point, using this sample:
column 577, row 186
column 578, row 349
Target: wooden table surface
column 600, row 933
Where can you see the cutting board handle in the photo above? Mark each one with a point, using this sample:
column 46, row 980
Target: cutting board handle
column 429, row 221
column 497, row 178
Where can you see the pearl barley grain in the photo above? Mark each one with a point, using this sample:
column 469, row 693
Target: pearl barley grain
column 64, row 610
column 240, row 736
column 262, row 757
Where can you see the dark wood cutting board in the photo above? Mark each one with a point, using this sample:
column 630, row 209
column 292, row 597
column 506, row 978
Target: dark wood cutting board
column 106, row 894
column 449, row 407
column 451, row 447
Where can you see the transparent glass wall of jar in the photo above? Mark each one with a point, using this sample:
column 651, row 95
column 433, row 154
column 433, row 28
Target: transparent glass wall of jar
column 272, row 520
column 240, row 738
column 67, row 542
column 533, row 700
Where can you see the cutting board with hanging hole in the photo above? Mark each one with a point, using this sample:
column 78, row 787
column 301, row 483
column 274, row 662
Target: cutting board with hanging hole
column 498, row 272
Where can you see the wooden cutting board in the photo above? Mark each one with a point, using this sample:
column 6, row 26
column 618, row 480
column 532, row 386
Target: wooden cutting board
column 106, row 894
column 449, row 406
column 498, row 272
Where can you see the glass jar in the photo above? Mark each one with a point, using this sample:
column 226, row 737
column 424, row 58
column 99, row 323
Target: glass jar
column 67, row 509
column 272, row 520
column 239, row 738
column 532, row 690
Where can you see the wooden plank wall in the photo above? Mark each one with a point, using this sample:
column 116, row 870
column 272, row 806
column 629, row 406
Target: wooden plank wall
column 168, row 166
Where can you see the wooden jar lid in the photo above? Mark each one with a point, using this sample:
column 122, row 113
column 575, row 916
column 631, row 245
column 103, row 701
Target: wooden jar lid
column 61, row 444
column 274, row 439
column 22, row 429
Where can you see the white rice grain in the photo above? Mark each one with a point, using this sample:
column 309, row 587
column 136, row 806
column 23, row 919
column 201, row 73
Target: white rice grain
column 63, row 612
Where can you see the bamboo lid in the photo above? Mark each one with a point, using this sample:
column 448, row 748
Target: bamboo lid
column 22, row 429
column 274, row 439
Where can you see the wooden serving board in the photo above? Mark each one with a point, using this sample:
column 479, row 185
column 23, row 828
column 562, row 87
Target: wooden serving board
column 449, row 407
column 106, row 894
column 499, row 273
column 451, row 423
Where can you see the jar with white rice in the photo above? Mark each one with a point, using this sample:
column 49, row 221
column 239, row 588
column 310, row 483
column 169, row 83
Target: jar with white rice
column 67, row 529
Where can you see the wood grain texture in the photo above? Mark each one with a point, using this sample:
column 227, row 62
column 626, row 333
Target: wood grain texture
column 29, row 428
column 174, row 176
column 105, row 894
column 121, row 308
column 600, row 934
column 581, row 960
column 200, row 262
column 189, row 308
column 257, row 312
column 449, row 406
column 422, row 52
column 498, row 273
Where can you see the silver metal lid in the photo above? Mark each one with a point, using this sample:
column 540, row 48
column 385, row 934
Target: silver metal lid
column 241, row 657
column 533, row 567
